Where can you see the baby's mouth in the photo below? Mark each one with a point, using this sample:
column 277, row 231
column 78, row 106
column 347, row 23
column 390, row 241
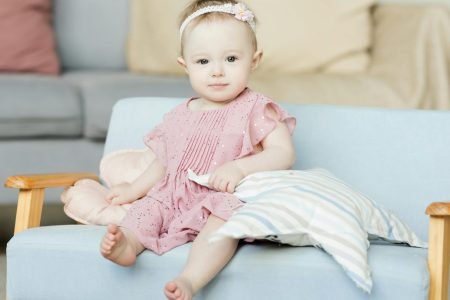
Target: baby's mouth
column 218, row 85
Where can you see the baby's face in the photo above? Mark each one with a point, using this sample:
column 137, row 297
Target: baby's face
column 219, row 57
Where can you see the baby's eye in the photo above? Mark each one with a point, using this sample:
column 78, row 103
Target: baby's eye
column 202, row 61
column 231, row 58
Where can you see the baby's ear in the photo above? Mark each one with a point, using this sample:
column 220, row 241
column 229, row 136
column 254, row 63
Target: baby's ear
column 182, row 63
column 256, row 59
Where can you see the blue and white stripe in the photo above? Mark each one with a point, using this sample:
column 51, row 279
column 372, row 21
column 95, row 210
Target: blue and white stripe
column 312, row 207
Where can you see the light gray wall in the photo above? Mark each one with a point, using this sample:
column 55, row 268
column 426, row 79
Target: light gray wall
column 415, row 1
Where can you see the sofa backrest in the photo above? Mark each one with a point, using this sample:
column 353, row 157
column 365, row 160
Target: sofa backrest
column 91, row 33
column 398, row 158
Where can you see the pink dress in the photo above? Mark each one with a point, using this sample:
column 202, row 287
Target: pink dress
column 176, row 209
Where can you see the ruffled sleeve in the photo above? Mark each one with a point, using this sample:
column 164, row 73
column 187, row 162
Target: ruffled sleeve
column 156, row 141
column 262, row 120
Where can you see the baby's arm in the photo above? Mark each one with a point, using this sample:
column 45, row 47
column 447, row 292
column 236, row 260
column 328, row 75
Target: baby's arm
column 278, row 153
column 129, row 192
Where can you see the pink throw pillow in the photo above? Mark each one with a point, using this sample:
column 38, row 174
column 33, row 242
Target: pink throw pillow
column 27, row 41
column 85, row 201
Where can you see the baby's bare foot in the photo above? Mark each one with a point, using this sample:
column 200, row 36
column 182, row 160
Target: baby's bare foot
column 179, row 289
column 116, row 247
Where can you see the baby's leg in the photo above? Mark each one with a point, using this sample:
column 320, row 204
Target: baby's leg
column 120, row 245
column 204, row 262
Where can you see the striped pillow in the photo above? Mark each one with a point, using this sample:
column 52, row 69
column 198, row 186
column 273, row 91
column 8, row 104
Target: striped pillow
column 313, row 207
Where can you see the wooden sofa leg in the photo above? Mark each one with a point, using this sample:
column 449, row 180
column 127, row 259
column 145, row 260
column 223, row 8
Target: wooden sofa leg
column 29, row 209
column 438, row 257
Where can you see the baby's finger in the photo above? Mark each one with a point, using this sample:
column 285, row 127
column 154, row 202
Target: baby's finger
column 231, row 187
column 216, row 184
column 117, row 200
column 211, row 181
column 223, row 186
column 109, row 197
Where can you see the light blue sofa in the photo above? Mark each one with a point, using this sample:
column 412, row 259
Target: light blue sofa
column 59, row 123
column 399, row 158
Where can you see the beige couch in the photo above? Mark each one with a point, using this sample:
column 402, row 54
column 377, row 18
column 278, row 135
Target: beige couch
column 355, row 52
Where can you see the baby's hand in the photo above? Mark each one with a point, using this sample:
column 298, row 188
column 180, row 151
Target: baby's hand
column 226, row 177
column 120, row 194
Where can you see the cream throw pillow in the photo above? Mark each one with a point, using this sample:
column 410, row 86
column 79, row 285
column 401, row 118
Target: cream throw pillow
column 313, row 207
column 296, row 35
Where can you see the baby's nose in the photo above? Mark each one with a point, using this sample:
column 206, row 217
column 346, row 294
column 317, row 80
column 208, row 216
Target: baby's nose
column 217, row 70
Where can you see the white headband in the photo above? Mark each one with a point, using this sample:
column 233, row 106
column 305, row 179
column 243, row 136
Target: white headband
column 239, row 10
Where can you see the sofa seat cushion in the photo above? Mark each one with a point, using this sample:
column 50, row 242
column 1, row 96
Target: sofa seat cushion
column 258, row 271
column 101, row 90
column 35, row 105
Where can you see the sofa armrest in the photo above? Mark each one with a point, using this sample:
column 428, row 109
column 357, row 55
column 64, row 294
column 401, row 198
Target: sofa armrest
column 438, row 209
column 31, row 194
column 439, row 249
column 35, row 181
column 410, row 52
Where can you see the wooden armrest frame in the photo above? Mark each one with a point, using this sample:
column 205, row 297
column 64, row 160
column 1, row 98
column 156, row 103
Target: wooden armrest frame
column 31, row 194
column 439, row 249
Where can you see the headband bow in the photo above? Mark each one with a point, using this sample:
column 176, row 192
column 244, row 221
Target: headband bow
column 239, row 10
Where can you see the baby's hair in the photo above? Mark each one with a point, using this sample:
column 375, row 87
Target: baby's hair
column 199, row 4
